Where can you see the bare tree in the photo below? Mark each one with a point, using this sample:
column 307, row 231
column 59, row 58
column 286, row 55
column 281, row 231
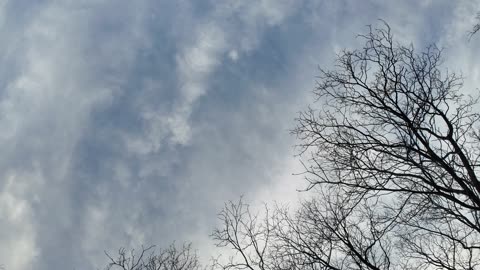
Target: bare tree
column 247, row 234
column 395, row 134
column 314, row 237
column 171, row 258
column 393, row 153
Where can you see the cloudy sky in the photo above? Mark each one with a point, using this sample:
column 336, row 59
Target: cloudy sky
column 131, row 122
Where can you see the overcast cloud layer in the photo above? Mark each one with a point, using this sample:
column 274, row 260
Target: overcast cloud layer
column 131, row 122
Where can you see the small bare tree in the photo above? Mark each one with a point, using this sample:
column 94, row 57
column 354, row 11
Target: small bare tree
column 393, row 153
column 171, row 258
column 247, row 234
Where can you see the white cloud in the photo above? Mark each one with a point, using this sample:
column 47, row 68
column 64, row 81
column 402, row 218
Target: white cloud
column 44, row 110
column 17, row 229
column 198, row 57
column 233, row 54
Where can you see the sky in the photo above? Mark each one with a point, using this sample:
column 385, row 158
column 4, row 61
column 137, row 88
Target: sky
column 125, row 123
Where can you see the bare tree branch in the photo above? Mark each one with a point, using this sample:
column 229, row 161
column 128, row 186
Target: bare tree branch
column 171, row 258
